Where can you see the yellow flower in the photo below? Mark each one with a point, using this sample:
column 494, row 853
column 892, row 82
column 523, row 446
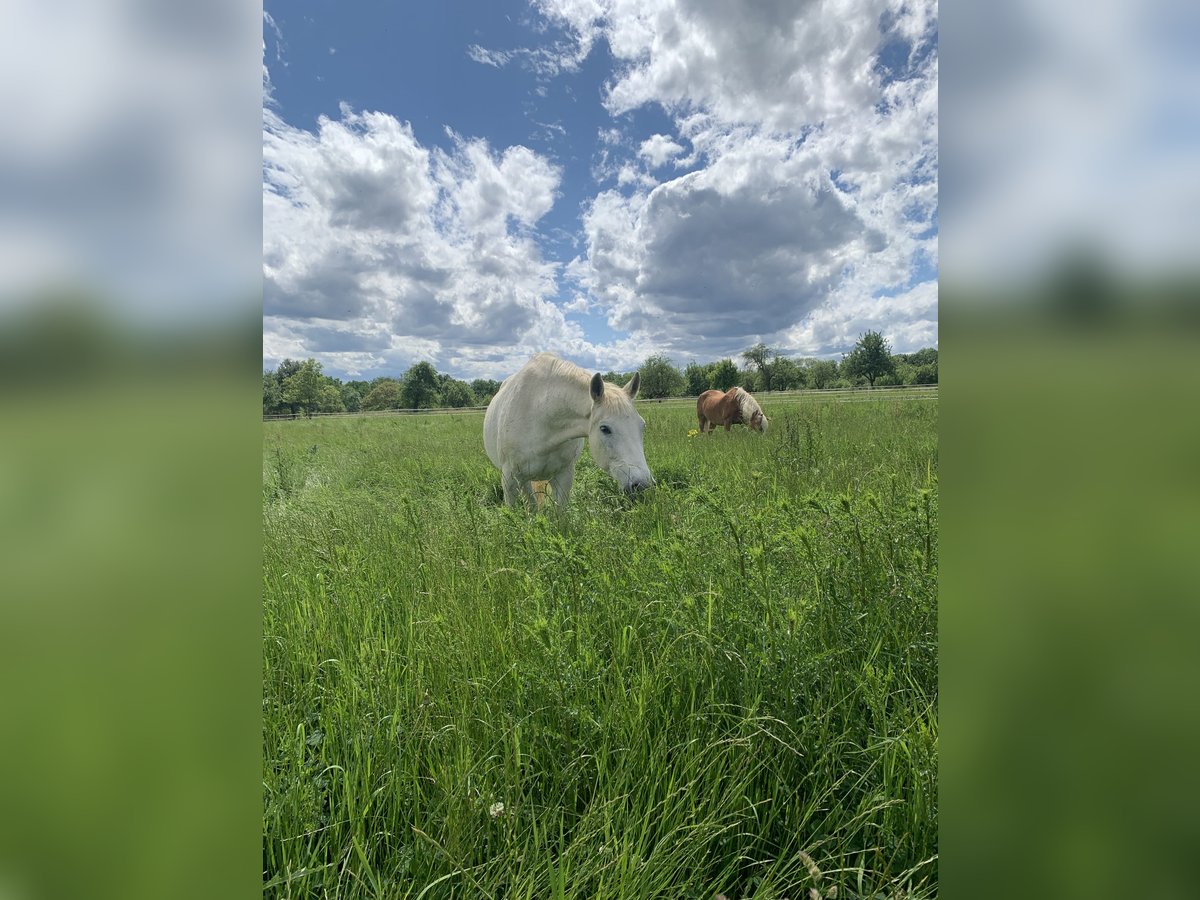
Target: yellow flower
column 693, row 432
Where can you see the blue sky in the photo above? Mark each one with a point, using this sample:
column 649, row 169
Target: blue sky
column 473, row 182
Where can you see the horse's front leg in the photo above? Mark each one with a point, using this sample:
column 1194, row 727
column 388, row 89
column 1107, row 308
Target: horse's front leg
column 517, row 490
column 726, row 426
column 560, row 487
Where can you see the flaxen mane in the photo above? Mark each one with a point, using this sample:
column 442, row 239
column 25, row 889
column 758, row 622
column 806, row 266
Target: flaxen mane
column 748, row 406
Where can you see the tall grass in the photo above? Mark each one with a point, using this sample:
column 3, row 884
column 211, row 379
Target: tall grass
column 728, row 687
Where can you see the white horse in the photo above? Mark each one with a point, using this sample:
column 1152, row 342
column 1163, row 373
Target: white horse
column 535, row 426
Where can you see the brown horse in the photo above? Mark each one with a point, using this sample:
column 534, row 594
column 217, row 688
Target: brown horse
column 731, row 407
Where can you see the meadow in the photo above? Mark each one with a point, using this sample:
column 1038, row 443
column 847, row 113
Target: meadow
column 726, row 687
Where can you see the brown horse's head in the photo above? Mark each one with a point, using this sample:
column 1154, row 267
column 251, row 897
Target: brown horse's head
column 758, row 421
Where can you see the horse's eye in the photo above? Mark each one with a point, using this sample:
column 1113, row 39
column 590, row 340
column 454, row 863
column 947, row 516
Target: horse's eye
column 604, row 429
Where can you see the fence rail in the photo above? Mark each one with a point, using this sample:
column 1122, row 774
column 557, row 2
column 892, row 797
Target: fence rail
column 837, row 395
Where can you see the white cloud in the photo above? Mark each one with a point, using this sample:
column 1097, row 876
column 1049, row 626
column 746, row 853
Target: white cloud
column 657, row 149
column 814, row 132
column 495, row 58
column 378, row 251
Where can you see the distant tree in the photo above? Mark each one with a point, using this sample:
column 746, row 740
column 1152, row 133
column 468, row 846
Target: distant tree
column 822, row 372
column 696, row 377
column 329, row 398
column 786, row 375
column 351, row 396
column 287, row 369
column 457, row 394
column 272, row 394
column 484, row 389
column 925, row 357
column 659, row 378
column 419, row 389
column 723, row 375
column 621, row 379
column 384, row 395
column 760, row 355
column 303, row 387
column 927, row 374
column 870, row 358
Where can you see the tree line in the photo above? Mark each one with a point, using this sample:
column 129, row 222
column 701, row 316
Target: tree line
column 300, row 387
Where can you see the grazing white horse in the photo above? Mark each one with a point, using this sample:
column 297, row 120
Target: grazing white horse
column 535, row 426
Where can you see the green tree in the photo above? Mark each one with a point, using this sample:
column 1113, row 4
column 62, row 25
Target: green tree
column 287, row 369
column 303, row 387
column 822, row 373
column 927, row 374
column 924, row 357
column 760, row 356
column 620, row 379
column 696, row 377
column 329, row 398
column 723, row 375
column 351, row 395
column 384, row 395
column 659, row 378
column 786, row 375
column 419, row 389
column 484, row 389
column 272, row 394
column 457, row 394
column 870, row 358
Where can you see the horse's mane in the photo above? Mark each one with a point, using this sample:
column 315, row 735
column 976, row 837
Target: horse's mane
column 747, row 404
column 555, row 364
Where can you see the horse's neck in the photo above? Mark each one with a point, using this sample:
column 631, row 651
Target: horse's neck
column 568, row 407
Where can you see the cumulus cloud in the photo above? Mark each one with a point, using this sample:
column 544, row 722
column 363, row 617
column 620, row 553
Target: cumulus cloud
column 379, row 249
column 799, row 206
column 657, row 149
column 813, row 130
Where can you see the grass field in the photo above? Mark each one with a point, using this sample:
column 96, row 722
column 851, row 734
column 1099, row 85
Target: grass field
column 728, row 687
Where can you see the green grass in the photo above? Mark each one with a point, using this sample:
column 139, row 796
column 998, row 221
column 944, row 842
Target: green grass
column 729, row 686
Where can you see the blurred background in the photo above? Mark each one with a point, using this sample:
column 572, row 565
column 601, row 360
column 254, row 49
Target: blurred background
column 130, row 292
column 130, row 309
column 1070, row 311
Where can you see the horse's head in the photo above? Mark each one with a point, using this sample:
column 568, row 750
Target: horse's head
column 758, row 421
column 615, row 434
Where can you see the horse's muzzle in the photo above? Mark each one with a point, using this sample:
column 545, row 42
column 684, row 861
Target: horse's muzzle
column 637, row 487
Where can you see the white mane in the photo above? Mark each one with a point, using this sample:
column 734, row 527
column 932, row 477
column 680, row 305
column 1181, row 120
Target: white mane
column 748, row 406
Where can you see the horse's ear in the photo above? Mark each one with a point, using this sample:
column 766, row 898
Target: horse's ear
column 597, row 387
column 632, row 388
